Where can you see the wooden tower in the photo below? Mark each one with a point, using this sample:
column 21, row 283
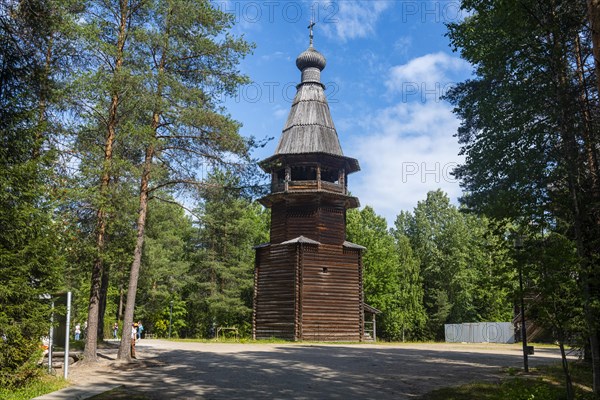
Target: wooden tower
column 308, row 279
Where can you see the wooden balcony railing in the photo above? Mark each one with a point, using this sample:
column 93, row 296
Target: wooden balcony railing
column 298, row 186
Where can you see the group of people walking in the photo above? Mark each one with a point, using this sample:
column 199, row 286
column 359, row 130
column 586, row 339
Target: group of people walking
column 137, row 329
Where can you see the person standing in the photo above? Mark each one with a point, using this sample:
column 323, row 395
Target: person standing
column 140, row 329
column 133, row 337
column 77, row 331
column 115, row 330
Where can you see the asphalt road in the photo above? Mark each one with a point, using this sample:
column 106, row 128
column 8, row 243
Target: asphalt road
column 185, row 370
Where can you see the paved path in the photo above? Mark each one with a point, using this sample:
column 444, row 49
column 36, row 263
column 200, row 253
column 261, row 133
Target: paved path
column 185, row 370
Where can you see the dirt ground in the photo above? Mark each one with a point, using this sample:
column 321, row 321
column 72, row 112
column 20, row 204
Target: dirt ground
column 187, row 370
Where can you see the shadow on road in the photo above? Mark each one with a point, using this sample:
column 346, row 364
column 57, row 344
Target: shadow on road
column 311, row 372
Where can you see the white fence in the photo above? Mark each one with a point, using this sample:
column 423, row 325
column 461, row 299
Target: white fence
column 480, row 332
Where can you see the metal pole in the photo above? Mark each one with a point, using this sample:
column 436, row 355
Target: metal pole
column 523, row 327
column 374, row 328
column 170, row 318
column 67, row 338
column 518, row 247
column 51, row 339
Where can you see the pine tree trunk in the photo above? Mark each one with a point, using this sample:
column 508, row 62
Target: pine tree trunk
column 125, row 346
column 124, row 349
column 91, row 339
column 565, row 366
column 590, row 140
column 120, row 310
column 592, row 274
column 103, row 299
column 101, row 215
column 594, row 18
column 595, row 350
column 582, row 226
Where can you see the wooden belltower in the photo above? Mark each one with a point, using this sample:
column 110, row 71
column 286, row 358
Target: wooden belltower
column 308, row 279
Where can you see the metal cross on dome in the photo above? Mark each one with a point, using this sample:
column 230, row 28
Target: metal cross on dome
column 310, row 26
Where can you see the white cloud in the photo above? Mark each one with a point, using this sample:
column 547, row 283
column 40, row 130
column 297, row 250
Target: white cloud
column 403, row 44
column 277, row 55
column 409, row 148
column 406, row 150
column 280, row 112
column 428, row 71
column 351, row 19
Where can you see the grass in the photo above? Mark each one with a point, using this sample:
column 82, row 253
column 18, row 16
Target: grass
column 251, row 341
column 545, row 383
column 225, row 340
column 43, row 385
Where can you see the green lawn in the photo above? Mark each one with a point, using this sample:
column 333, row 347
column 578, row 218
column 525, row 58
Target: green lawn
column 44, row 384
column 546, row 383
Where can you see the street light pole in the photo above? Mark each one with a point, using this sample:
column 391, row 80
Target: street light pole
column 518, row 247
column 170, row 318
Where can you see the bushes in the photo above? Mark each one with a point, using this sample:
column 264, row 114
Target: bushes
column 19, row 355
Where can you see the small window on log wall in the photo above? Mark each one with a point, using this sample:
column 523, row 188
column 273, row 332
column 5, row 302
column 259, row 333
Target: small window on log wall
column 330, row 175
column 281, row 175
column 325, row 270
column 304, row 173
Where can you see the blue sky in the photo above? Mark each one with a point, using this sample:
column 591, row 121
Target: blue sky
column 387, row 64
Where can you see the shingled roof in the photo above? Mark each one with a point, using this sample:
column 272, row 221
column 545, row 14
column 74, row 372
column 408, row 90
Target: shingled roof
column 309, row 127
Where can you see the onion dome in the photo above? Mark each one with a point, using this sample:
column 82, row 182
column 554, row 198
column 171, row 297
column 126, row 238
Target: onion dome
column 309, row 129
column 311, row 58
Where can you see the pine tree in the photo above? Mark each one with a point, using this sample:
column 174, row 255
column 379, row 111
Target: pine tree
column 221, row 293
column 166, row 263
column 30, row 234
column 530, row 125
column 104, row 96
column 192, row 60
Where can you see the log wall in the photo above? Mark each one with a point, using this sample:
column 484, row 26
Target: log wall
column 331, row 294
column 325, row 223
column 308, row 292
column 274, row 312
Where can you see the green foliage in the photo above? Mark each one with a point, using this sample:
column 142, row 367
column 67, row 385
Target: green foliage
column 165, row 264
column 463, row 264
column 187, row 61
column 529, row 133
column 516, row 388
column 543, row 385
column 553, row 268
column 221, row 289
column 436, row 266
column 30, row 242
column 510, row 111
column 39, row 386
column 148, row 120
column 391, row 275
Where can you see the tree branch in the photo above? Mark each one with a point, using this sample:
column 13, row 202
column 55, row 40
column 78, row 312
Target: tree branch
column 176, row 203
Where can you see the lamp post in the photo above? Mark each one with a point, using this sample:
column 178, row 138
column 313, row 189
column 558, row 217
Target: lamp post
column 518, row 247
column 170, row 318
